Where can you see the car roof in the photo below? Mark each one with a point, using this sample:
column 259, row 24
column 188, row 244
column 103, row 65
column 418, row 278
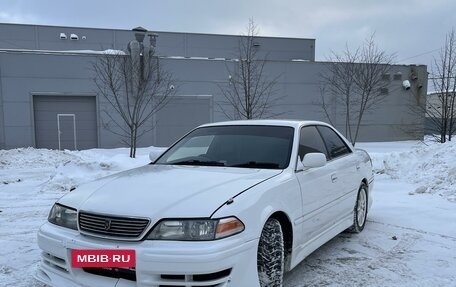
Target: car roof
column 286, row 123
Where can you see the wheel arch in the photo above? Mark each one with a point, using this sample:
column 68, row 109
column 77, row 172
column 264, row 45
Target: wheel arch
column 287, row 229
column 366, row 183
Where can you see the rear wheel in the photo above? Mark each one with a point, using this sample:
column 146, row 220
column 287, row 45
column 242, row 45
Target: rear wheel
column 360, row 211
column 270, row 258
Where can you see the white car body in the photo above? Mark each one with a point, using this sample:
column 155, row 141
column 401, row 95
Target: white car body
column 313, row 206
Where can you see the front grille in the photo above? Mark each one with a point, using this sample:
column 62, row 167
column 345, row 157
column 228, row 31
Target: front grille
column 112, row 226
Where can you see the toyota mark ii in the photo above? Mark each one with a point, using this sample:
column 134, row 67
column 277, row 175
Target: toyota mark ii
column 229, row 204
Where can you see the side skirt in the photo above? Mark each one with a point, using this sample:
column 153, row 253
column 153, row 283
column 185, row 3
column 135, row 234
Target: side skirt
column 319, row 240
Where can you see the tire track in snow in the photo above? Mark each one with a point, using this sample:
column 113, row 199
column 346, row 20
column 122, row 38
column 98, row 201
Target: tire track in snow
column 415, row 230
column 373, row 258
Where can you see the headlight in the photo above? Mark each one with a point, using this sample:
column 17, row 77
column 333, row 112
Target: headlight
column 196, row 229
column 63, row 216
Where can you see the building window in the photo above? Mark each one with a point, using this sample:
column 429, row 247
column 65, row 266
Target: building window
column 384, row 91
column 386, row 77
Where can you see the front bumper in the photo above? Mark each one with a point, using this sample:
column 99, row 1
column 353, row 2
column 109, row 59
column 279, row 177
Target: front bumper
column 220, row 263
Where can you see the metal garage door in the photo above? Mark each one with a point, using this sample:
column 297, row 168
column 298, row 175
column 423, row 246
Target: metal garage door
column 65, row 122
column 179, row 116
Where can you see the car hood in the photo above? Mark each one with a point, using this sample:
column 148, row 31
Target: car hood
column 165, row 191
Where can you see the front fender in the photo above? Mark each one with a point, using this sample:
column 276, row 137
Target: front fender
column 254, row 206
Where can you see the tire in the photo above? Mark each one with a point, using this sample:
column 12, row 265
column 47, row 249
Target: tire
column 271, row 256
column 360, row 210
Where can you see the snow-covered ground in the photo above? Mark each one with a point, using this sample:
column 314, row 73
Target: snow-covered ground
column 409, row 239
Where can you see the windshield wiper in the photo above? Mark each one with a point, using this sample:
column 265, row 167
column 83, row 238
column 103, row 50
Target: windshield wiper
column 255, row 164
column 199, row 162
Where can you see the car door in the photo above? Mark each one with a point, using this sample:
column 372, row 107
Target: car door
column 343, row 173
column 317, row 189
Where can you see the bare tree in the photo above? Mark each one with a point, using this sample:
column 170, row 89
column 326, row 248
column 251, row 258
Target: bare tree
column 442, row 112
column 338, row 86
column 250, row 94
column 354, row 81
column 136, row 87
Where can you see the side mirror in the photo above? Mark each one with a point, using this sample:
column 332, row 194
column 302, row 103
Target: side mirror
column 314, row 159
column 155, row 154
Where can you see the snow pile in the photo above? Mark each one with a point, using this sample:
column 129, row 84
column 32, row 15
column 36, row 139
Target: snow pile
column 431, row 167
column 29, row 158
column 26, row 164
column 63, row 171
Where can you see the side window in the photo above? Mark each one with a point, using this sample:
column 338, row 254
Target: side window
column 310, row 141
column 335, row 145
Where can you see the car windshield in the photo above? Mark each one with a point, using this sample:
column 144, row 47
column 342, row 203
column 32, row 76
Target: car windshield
column 233, row 146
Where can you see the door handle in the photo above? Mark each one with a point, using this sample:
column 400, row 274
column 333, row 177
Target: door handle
column 358, row 167
column 333, row 178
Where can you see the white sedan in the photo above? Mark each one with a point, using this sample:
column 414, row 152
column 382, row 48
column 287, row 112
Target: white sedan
column 229, row 204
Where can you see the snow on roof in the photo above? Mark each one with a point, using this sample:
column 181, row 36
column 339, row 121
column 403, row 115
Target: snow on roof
column 89, row 52
column 103, row 52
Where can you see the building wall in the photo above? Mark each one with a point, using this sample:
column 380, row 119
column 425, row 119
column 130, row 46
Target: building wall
column 398, row 116
column 434, row 113
column 2, row 120
column 25, row 73
column 169, row 44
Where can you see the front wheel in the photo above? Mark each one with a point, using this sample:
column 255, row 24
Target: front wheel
column 270, row 258
column 360, row 211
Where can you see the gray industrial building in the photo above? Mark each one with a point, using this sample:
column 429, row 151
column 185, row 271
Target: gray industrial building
column 48, row 98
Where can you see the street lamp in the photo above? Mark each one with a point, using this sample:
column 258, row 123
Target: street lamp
column 140, row 33
column 140, row 52
column 153, row 39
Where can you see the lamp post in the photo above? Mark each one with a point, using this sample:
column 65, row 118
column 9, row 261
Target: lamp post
column 136, row 48
column 153, row 40
column 140, row 33
column 141, row 54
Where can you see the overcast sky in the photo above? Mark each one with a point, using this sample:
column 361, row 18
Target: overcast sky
column 413, row 29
